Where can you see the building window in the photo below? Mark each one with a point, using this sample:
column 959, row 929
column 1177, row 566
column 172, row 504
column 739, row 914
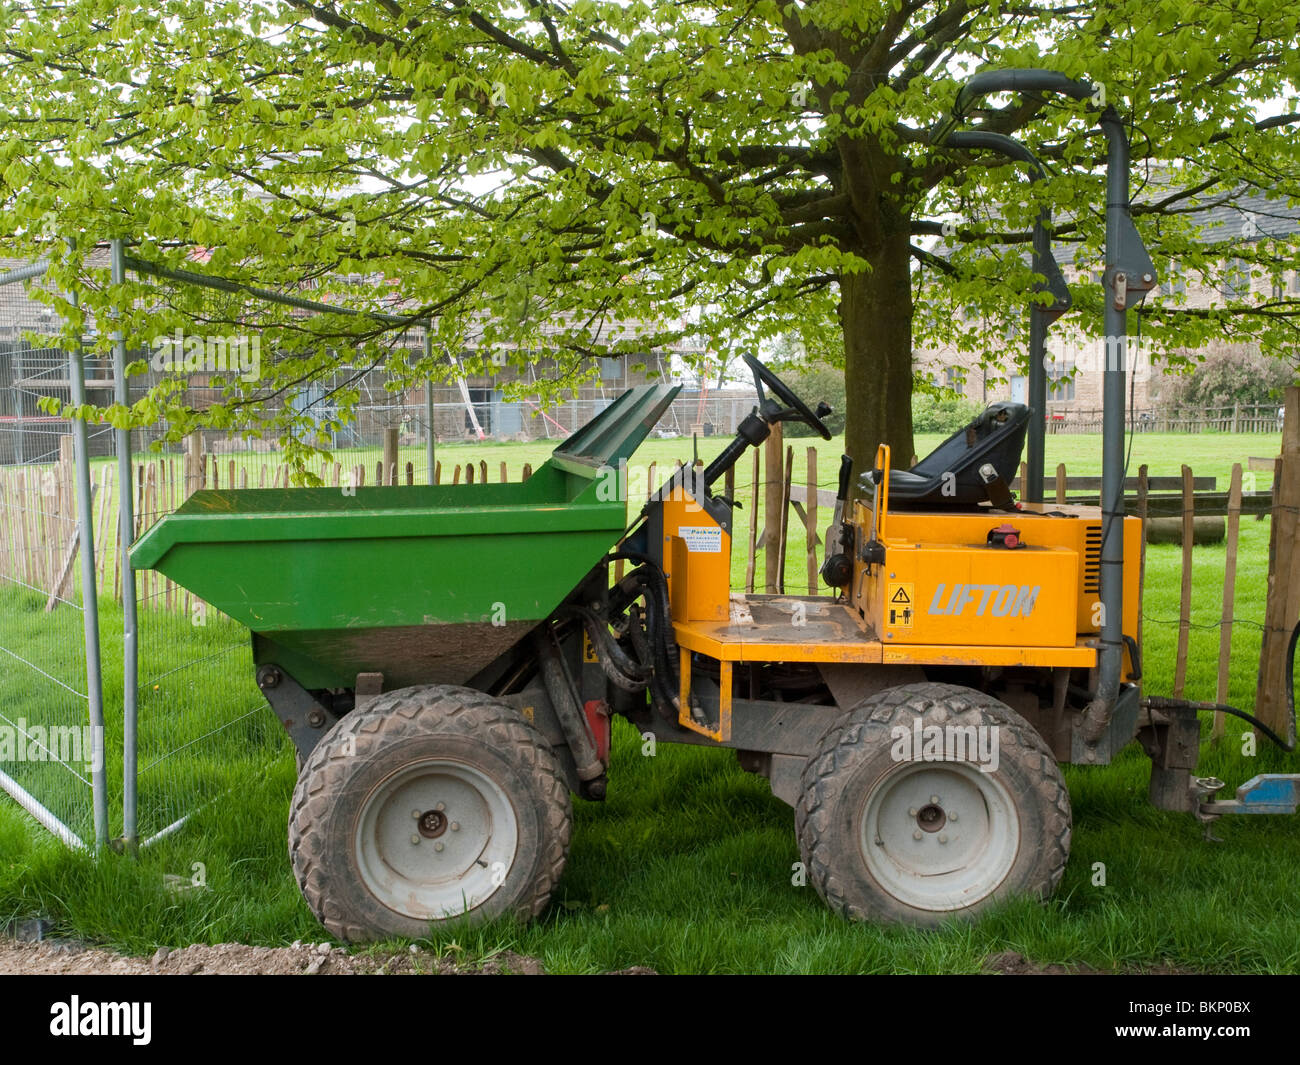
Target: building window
column 1175, row 283
column 481, row 400
column 1236, row 281
column 955, row 379
column 1060, row 385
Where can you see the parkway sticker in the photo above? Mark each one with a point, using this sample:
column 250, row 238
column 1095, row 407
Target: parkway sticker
column 706, row 539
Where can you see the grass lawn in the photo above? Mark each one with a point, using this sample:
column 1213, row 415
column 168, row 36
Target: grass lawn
column 688, row 865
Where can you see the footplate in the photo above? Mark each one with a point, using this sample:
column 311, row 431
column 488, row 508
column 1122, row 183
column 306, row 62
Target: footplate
column 1268, row 793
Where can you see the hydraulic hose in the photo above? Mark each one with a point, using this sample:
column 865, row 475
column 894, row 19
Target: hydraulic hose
column 614, row 661
column 658, row 623
column 649, row 580
column 636, row 634
column 646, row 563
column 1161, row 703
column 663, row 676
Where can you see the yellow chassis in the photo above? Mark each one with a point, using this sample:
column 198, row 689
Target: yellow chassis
column 956, row 600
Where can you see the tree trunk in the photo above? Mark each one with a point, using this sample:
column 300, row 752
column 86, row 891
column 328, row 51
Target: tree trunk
column 876, row 313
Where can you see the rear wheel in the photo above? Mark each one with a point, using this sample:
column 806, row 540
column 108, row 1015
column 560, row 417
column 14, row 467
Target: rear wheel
column 931, row 801
column 434, row 803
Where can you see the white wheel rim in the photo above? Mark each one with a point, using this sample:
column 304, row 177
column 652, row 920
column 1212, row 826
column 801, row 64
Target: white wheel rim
column 436, row 839
column 939, row 836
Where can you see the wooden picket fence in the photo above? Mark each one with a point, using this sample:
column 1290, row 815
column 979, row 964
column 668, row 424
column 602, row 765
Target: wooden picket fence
column 35, row 542
column 1239, row 418
column 38, row 528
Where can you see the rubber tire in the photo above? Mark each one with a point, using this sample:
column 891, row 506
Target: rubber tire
column 852, row 758
column 399, row 728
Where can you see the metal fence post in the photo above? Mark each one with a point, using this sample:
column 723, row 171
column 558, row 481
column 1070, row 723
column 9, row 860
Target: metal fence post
column 126, row 515
column 89, row 593
column 430, row 434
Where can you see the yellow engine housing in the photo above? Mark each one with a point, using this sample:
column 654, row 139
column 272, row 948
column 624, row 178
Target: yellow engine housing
column 941, row 582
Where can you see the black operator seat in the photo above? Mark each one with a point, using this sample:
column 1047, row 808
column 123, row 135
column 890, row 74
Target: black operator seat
column 996, row 437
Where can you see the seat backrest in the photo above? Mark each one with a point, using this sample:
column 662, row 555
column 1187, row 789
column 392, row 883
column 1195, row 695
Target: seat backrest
column 995, row 436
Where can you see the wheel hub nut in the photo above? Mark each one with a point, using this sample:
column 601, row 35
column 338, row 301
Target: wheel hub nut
column 432, row 823
column 931, row 818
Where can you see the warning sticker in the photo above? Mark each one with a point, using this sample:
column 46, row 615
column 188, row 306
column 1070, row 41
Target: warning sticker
column 706, row 539
column 900, row 604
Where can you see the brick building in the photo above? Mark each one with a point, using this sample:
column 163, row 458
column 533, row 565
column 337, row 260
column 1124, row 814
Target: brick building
column 473, row 406
column 1078, row 360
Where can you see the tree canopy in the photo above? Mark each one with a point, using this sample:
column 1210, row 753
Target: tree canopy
column 521, row 172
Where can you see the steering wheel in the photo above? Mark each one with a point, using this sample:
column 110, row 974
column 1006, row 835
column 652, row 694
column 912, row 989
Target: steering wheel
column 787, row 396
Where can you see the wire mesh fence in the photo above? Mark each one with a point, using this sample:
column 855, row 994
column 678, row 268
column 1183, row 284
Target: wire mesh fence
column 205, row 731
column 29, row 372
column 48, row 748
column 52, row 737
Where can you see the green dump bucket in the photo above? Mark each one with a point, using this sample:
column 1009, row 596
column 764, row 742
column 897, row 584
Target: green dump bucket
column 424, row 584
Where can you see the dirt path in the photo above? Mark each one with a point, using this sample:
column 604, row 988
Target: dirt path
column 68, row 957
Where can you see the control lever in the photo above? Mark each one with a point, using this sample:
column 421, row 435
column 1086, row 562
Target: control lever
column 837, row 570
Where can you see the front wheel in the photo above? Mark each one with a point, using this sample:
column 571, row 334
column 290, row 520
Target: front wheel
column 930, row 801
column 433, row 803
